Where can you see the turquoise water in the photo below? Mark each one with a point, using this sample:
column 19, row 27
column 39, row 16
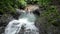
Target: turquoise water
column 26, row 20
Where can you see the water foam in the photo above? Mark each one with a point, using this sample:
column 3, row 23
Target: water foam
column 27, row 20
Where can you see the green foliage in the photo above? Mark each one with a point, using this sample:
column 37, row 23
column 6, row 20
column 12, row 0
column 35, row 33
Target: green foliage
column 44, row 2
column 52, row 15
column 10, row 5
column 7, row 5
column 22, row 3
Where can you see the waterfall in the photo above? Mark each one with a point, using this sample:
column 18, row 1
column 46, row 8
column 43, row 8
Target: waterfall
column 24, row 25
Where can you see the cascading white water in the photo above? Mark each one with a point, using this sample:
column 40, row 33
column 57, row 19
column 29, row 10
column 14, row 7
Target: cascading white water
column 27, row 20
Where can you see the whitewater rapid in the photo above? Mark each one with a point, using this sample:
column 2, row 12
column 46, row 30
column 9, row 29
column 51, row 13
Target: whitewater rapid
column 26, row 20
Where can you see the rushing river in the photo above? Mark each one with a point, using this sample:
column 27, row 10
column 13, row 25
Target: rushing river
column 24, row 25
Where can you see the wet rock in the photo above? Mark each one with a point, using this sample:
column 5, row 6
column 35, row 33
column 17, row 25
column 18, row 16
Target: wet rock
column 4, row 20
column 2, row 29
column 45, row 27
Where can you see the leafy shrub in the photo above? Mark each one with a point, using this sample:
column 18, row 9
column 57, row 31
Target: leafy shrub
column 50, row 12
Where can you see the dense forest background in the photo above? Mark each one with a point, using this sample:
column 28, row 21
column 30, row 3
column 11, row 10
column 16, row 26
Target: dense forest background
column 48, row 21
